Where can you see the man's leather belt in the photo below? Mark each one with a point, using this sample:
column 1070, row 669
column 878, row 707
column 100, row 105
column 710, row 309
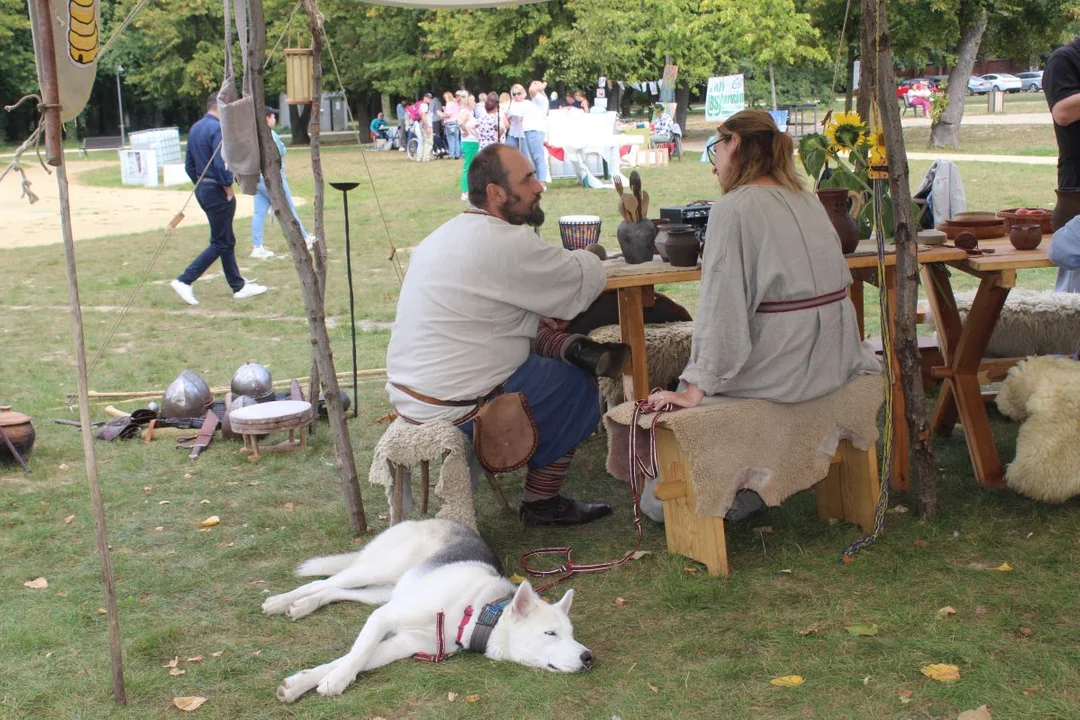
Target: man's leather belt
column 475, row 404
column 781, row 306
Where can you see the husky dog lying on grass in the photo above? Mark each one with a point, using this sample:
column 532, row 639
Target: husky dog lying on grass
column 430, row 577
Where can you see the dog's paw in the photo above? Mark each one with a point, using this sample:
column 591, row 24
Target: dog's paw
column 275, row 605
column 302, row 608
column 334, row 684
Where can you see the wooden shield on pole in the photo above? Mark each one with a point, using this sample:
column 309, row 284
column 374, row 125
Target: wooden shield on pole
column 77, row 44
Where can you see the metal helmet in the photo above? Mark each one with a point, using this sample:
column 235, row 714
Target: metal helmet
column 233, row 402
column 254, row 381
column 188, row 396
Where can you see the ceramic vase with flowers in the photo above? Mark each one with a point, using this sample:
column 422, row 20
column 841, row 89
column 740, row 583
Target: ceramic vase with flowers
column 837, row 160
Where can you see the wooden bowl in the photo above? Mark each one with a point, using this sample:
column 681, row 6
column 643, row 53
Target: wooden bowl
column 982, row 232
column 975, row 218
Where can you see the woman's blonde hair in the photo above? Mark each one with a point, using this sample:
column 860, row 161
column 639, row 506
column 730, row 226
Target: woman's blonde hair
column 763, row 150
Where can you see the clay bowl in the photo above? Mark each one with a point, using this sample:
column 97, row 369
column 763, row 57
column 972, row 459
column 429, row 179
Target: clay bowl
column 975, row 218
column 952, row 228
column 1026, row 237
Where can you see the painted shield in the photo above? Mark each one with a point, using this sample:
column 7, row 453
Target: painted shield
column 76, row 27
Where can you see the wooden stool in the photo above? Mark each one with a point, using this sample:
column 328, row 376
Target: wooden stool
column 255, row 421
column 849, row 492
column 398, row 498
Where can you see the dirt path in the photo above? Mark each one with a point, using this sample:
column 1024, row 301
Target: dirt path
column 95, row 211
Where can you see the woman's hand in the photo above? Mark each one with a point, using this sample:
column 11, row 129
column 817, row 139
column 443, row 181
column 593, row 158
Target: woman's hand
column 553, row 324
column 688, row 398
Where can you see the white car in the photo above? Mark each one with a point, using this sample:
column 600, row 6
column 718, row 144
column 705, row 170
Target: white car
column 1004, row 81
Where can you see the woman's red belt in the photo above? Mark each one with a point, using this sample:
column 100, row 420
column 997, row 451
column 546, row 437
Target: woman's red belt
column 781, row 306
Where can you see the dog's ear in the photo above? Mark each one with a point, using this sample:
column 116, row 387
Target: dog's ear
column 564, row 604
column 524, row 599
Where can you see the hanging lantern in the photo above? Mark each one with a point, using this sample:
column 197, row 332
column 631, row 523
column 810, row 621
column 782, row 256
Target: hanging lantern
column 299, row 69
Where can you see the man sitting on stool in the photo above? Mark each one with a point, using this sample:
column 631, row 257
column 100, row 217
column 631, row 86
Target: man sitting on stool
column 479, row 290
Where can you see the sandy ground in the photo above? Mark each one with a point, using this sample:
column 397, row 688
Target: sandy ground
column 95, row 211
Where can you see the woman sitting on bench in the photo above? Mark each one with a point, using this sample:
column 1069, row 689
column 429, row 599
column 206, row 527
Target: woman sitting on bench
column 774, row 320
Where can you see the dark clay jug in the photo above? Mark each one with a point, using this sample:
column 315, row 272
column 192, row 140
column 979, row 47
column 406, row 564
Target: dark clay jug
column 835, row 201
column 682, row 246
column 20, row 433
column 1067, row 207
column 637, row 240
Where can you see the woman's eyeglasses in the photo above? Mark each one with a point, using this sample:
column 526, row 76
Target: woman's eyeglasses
column 519, row 94
column 710, row 149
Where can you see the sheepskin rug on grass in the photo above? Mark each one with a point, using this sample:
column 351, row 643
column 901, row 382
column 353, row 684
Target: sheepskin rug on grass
column 1033, row 322
column 1044, row 394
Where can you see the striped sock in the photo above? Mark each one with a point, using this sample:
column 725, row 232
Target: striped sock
column 544, row 483
column 553, row 343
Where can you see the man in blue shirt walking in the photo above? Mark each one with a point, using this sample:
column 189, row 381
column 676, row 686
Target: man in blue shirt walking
column 218, row 200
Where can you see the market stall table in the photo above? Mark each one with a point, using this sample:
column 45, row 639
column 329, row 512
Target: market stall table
column 963, row 344
column 634, row 285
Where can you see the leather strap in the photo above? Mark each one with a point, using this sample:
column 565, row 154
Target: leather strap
column 446, row 403
column 782, row 306
column 200, row 441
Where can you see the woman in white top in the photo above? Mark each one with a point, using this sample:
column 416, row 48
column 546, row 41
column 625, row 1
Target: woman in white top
column 535, row 129
column 774, row 320
column 519, row 107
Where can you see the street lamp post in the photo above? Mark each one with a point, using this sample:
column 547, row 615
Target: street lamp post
column 120, row 99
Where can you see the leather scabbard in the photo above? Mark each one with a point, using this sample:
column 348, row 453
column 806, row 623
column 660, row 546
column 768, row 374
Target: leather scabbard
column 200, row 441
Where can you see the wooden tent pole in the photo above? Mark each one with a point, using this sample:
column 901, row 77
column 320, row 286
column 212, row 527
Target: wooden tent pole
column 309, row 283
column 46, row 58
column 906, row 342
column 318, row 252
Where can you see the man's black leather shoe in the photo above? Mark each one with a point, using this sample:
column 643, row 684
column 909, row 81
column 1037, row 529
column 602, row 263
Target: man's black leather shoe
column 562, row 511
column 595, row 358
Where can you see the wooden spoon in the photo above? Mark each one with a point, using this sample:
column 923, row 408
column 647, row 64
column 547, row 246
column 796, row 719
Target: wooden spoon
column 644, row 204
column 618, row 186
column 630, row 203
column 635, row 187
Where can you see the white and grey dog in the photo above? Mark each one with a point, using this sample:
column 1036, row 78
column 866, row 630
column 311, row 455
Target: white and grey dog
column 427, row 575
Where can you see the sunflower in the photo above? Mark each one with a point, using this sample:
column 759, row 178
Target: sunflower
column 845, row 131
column 878, row 157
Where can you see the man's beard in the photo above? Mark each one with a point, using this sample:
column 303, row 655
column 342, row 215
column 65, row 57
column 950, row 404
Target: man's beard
column 534, row 217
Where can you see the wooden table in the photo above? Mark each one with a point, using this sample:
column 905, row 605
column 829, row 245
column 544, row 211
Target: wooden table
column 634, row 285
column 963, row 344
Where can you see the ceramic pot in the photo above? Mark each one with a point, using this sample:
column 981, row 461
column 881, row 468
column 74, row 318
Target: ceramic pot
column 662, row 237
column 682, row 246
column 1026, row 236
column 1066, row 208
column 637, row 240
column 835, row 201
column 19, row 430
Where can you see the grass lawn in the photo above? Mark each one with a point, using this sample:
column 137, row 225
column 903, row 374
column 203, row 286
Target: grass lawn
column 682, row 645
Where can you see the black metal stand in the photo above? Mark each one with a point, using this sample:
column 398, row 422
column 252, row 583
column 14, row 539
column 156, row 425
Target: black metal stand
column 345, row 187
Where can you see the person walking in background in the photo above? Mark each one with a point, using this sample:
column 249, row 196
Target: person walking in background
column 262, row 199
column 535, row 125
column 451, row 128
column 438, row 138
column 488, row 130
column 480, row 111
column 470, row 143
column 424, row 130
column 402, row 116
column 215, row 195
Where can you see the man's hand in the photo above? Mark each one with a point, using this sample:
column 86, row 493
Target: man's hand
column 553, row 324
column 229, row 192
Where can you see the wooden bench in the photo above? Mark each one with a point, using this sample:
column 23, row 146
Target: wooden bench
column 849, row 492
column 102, row 142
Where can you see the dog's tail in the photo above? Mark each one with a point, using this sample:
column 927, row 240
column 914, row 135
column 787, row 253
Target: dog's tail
column 327, row 565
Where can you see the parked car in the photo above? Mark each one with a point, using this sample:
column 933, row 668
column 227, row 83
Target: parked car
column 1004, row 81
column 979, row 86
column 1031, row 81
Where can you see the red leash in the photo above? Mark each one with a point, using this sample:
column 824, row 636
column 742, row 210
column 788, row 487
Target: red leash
column 640, row 473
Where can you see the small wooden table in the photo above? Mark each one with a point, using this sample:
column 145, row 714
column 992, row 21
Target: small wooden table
column 634, row 285
column 963, row 344
column 254, row 421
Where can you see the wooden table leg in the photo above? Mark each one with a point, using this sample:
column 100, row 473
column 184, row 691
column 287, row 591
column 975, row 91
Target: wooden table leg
column 968, row 354
column 632, row 328
column 939, row 294
column 901, row 477
column 855, row 292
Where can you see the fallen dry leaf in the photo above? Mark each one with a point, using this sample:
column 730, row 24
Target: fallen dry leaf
column 387, row 418
column 942, row 672
column 1028, row 692
column 980, row 713
column 866, row 680
column 786, row 571
column 177, row 671
column 48, row 654
column 516, row 579
column 204, row 502
column 210, row 521
column 159, row 528
column 188, row 704
column 640, row 554
column 257, row 582
column 897, row 509
column 196, row 659
column 187, row 476
column 848, row 559
column 289, row 505
column 1026, row 632
column 946, row 612
column 68, row 519
column 652, row 687
column 253, row 483
column 102, row 611
column 922, row 543
column 763, row 529
column 787, row 681
column 172, row 663
column 256, row 653
column 164, row 502
column 37, row 584
column 620, row 601
column 451, row 696
column 690, row 570
column 1004, row 567
column 146, row 488
column 903, row 695
column 813, row 629
column 62, row 593
column 862, row 630
column 219, row 653
column 472, row 698
column 63, row 466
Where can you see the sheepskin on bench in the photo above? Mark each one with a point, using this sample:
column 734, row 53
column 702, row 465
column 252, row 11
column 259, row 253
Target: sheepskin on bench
column 407, row 445
column 667, row 350
column 1033, row 322
column 1043, row 393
